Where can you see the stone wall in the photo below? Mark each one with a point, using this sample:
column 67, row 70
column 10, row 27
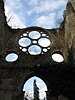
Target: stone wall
column 59, row 77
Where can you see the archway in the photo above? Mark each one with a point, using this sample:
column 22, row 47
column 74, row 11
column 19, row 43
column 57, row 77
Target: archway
column 29, row 88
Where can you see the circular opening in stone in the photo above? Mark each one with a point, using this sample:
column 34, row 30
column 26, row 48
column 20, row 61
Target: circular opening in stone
column 44, row 35
column 34, row 50
column 34, row 35
column 11, row 57
column 57, row 57
column 24, row 49
column 24, row 42
column 24, row 34
column 34, row 42
column 45, row 50
column 44, row 42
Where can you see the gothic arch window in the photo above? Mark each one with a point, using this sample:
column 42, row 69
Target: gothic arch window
column 23, row 13
column 35, row 88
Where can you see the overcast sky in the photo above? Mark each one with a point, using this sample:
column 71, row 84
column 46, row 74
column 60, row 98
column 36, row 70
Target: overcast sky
column 44, row 13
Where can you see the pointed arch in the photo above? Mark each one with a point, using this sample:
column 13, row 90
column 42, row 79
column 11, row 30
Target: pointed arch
column 29, row 87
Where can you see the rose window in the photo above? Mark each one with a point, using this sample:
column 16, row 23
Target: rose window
column 34, row 42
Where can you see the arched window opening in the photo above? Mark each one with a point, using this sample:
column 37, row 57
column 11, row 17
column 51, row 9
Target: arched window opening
column 35, row 89
column 43, row 13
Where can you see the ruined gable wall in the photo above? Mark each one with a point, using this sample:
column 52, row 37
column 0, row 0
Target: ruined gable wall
column 70, row 27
